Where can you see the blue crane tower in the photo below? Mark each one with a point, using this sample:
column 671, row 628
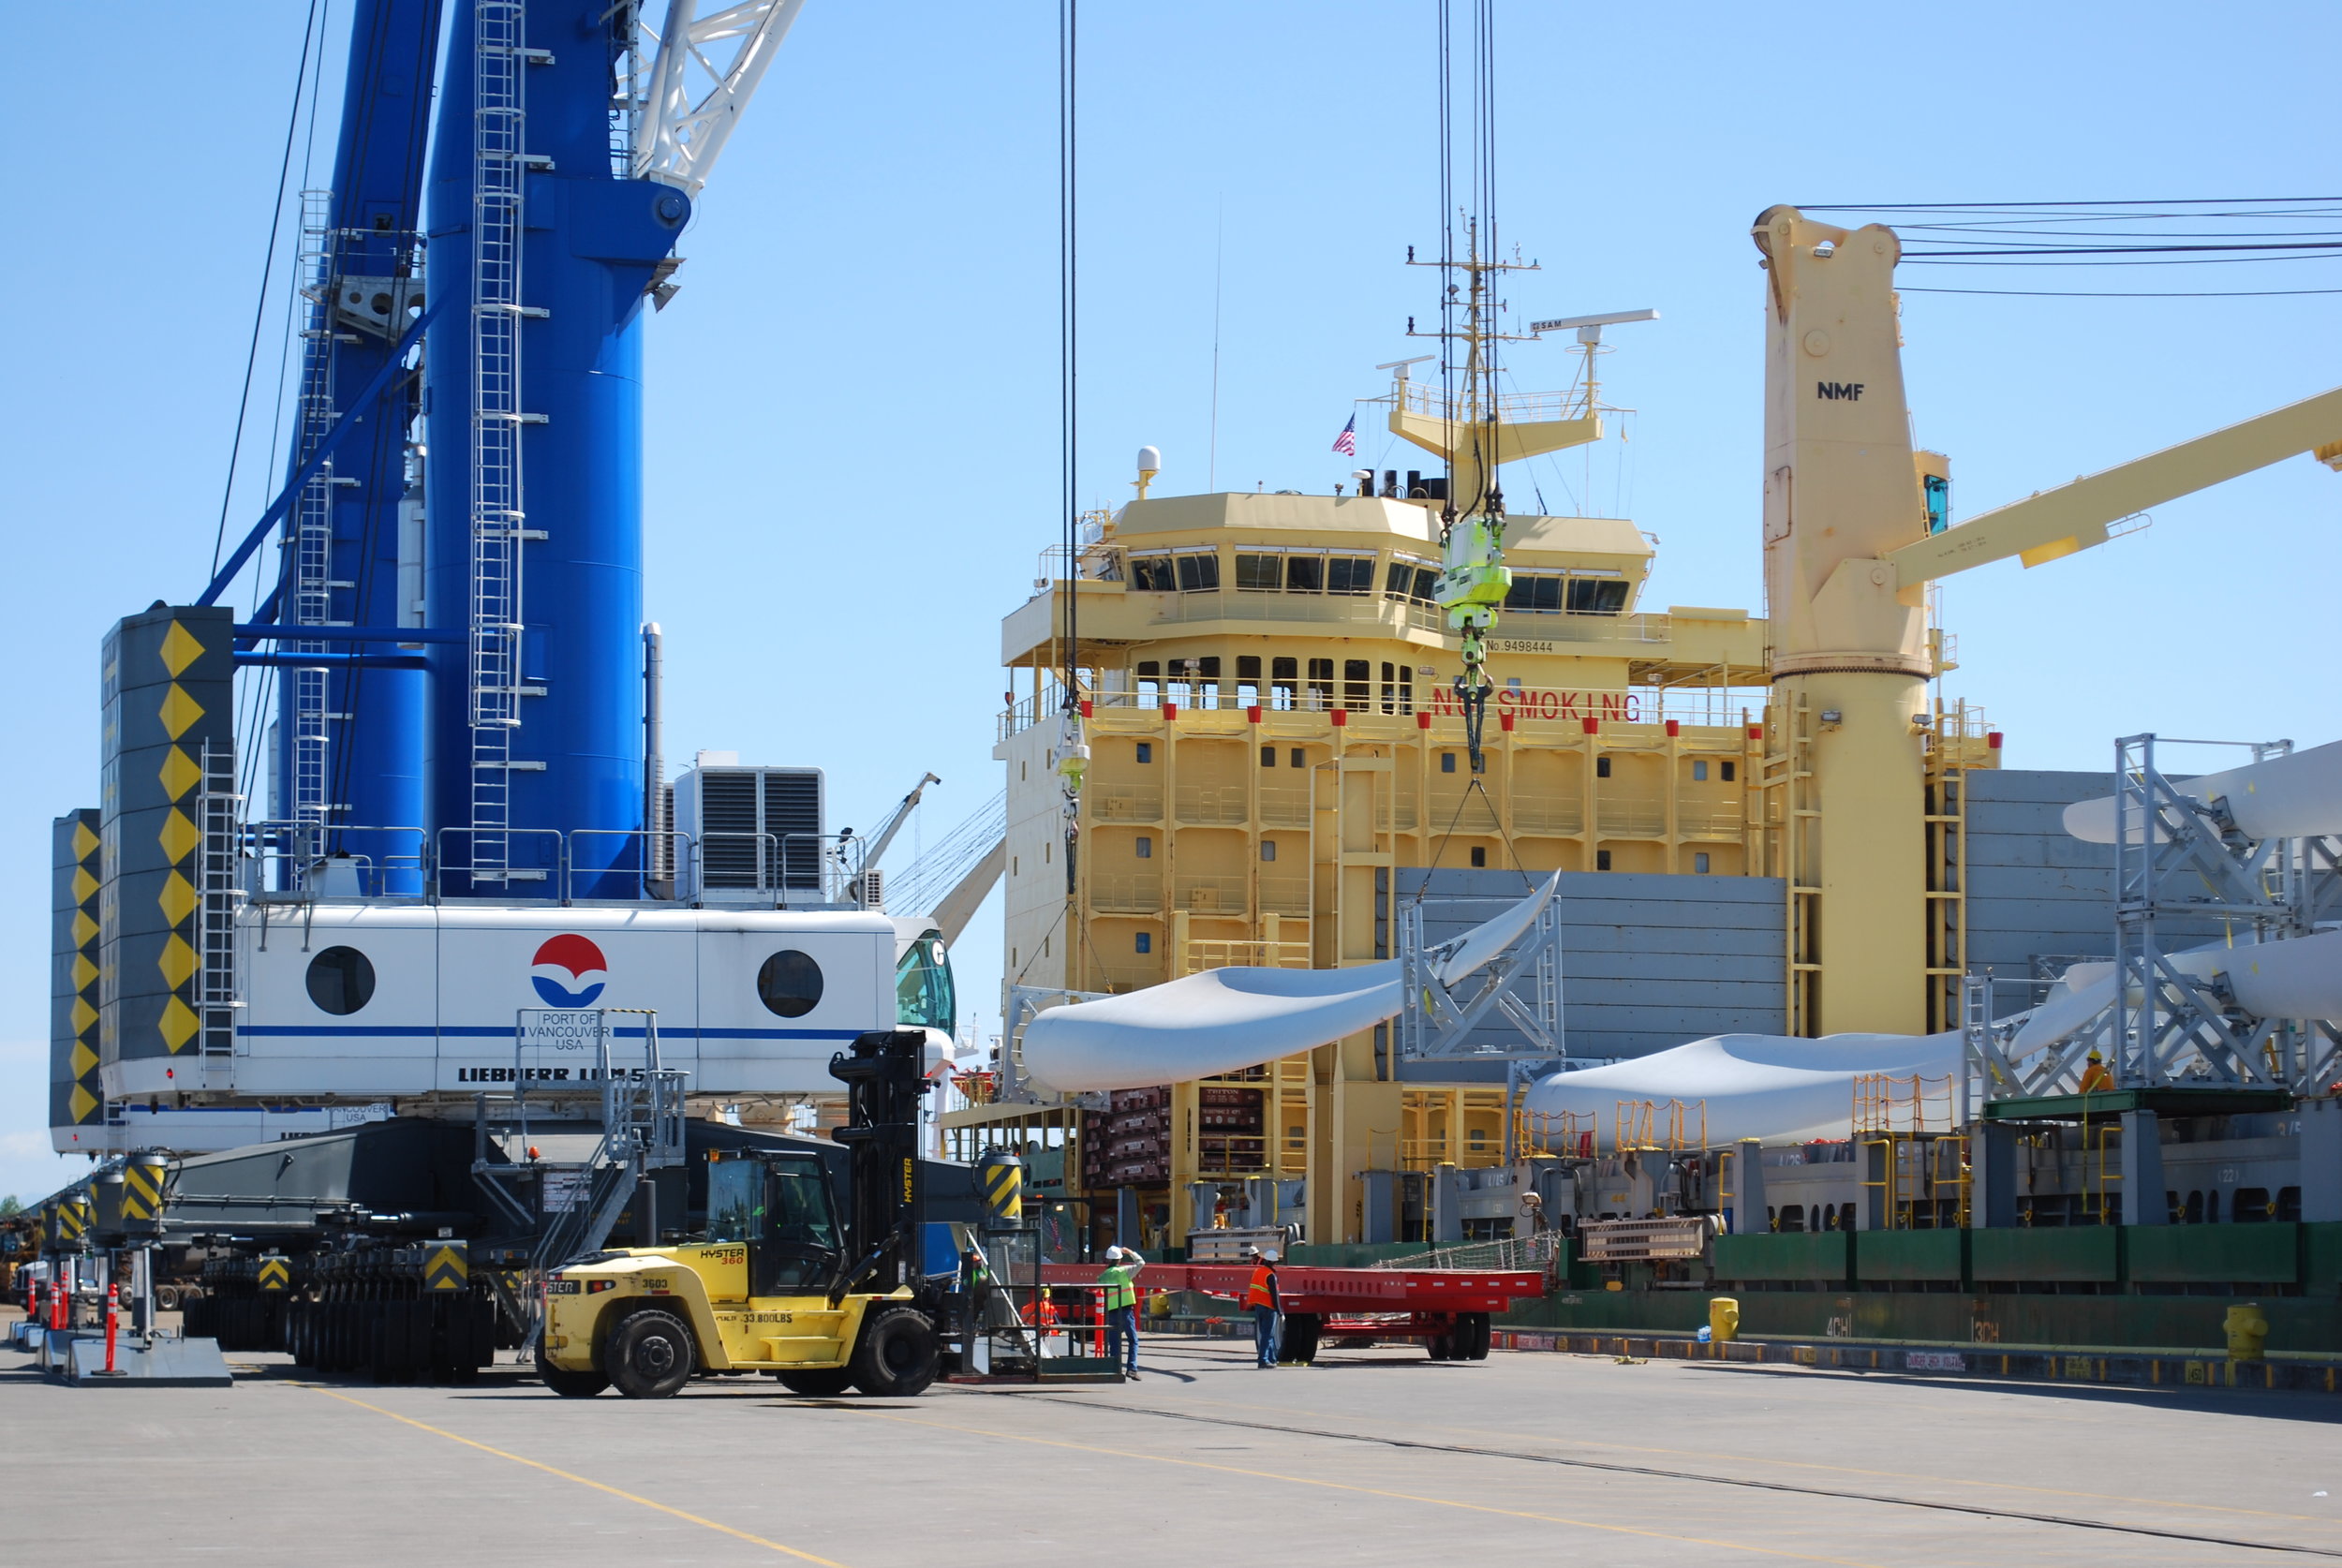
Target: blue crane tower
column 452, row 619
column 458, row 620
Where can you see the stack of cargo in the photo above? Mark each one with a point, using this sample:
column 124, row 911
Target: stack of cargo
column 1229, row 1128
column 1129, row 1143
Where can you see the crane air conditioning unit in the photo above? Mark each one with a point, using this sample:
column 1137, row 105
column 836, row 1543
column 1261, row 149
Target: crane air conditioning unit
column 750, row 835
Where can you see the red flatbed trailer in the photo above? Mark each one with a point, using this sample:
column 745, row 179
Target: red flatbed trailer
column 1446, row 1309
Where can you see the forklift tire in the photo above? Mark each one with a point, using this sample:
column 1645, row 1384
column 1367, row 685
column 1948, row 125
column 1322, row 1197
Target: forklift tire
column 569, row 1385
column 819, row 1383
column 649, row 1355
column 898, row 1357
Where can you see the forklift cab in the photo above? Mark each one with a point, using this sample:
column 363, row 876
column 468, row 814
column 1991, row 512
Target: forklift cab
column 779, row 1206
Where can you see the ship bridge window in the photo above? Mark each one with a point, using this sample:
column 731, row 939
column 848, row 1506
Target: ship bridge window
column 341, row 981
column 1534, row 591
column 1590, row 595
column 1350, row 574
column 1153, row 575
column 788, row 984
column 1198, row 573
column 1305, row 574
column 1411, row 578
column 1259, row 574
column 922, row 985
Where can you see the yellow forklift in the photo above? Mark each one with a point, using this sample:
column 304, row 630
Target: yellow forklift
column 780, row 1282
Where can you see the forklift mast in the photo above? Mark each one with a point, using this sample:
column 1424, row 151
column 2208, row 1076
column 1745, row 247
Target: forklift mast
column 885, row 1076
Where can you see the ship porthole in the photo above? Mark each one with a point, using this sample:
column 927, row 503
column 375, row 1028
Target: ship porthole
column 341, row 981
column 789, row 983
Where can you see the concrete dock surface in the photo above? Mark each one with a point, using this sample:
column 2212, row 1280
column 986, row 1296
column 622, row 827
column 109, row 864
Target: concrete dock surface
column 1371, row 1456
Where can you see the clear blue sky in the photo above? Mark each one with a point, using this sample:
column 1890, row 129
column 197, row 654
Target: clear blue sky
column 852, row 443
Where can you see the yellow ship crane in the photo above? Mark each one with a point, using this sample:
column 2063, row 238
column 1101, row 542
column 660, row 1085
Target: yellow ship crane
column 1854, row 529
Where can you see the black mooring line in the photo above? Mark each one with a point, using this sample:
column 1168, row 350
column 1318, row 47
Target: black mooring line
column 1677, row 1476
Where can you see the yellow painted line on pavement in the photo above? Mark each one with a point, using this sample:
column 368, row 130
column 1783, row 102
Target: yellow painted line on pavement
column 582, row 1480
column 1372, row 1491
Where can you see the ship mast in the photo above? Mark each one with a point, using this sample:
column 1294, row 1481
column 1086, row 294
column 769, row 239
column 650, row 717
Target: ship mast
column 1467, row 426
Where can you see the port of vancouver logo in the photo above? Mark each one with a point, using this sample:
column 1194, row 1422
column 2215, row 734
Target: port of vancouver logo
column 569, row 971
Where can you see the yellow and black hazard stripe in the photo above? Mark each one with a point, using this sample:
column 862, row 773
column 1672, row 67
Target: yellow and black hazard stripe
column 275, row 1274
column 1003, row 1192
column 447, row 1266
column 142, row 1191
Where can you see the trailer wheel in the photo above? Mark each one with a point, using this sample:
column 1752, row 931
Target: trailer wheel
column 820, row 1383
column 1297, row 1344
column 567, row 1383
column 1472, row 1334
column 898, row 1357
column 649, row 1355
column 1443, row 1347
column 166, row 1298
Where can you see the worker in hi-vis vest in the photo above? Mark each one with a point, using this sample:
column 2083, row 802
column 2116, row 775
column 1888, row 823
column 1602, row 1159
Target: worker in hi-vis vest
column 1119, row 1285
column 1267, row 1309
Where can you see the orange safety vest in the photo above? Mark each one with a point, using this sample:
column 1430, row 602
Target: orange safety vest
column 1261, row 1295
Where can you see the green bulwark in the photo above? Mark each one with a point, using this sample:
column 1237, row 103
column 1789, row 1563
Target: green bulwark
column 2078, row 1254
column 2265, row 1255
column 1910, row 1255
column 1825, row 1257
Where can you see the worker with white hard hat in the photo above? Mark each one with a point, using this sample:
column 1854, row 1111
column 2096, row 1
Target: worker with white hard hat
column 1118, row 1286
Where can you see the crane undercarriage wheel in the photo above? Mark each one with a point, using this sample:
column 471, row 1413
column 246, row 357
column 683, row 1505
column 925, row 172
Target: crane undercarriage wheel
column 820, row 1382
column 899, row 1355
column 567, row 1383
column 649, row 1355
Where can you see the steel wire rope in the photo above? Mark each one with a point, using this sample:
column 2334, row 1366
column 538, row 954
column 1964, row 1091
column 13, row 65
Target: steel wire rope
column 268, row 270
column 1069, row 431
column 2115, row 294
column 2040, row 206
column 263, row 691
column 394, row 396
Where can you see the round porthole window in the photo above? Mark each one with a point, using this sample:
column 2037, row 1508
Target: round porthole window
column 789, row 983
column 341, row 981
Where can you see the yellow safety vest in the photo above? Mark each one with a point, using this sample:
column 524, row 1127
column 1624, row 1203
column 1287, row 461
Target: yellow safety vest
column 1122, row 1286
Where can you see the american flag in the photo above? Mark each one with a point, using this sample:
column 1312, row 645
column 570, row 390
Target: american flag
column 1347, row 442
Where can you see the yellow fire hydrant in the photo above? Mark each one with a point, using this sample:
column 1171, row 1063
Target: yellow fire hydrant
column 1724, row 1319
column 2248, row 1332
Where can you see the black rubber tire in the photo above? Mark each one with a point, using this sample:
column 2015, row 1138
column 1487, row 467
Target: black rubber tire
column 649, row 1355
column 898, row 1357
column 820, row 1383
column 1297, row 1345
column 570, row 1385
column 1477, row 1337
column 1443, row 1347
